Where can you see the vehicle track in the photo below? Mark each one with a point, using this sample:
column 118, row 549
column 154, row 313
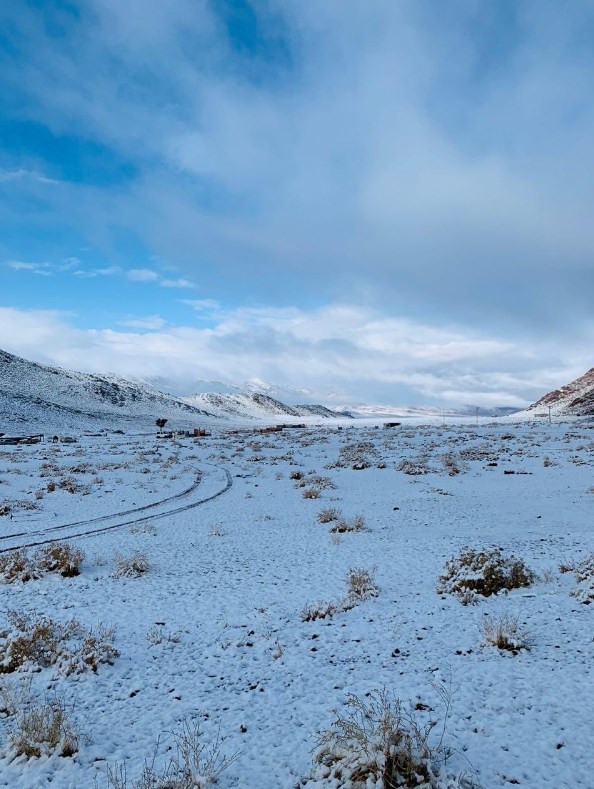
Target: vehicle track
column 153, row 516
column 109, row 516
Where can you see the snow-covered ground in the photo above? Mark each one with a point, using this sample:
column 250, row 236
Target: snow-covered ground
column 213, row 632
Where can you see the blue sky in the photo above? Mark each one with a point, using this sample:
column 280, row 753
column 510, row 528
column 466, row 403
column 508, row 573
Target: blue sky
column 387, row 202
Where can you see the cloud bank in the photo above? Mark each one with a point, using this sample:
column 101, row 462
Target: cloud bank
column 342, row 354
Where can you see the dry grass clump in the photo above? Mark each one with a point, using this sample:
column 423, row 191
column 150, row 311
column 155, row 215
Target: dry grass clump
column 328, row 515
column 195, row 765
column 377, row 741
column 505, row 632
column 132, row 566
column 59, row 557
column 342, row 525
column 584, row 574
column 44, row 730
column 414, row 468
column 320, row 610
column 16, row 566
column 40, row 642
column 358, row 456
column 452, row 464
column 312, row 493
column 361, row 584
column 483, row 572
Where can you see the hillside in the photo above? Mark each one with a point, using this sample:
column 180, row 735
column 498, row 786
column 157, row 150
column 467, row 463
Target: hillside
column 39, row 397
column 255, row 406
column 573, row 399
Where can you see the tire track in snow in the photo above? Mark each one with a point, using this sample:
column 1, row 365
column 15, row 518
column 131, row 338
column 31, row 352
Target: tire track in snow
column 154, row 516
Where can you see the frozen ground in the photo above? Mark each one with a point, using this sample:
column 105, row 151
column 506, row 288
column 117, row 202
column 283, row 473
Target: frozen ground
column 230, row 577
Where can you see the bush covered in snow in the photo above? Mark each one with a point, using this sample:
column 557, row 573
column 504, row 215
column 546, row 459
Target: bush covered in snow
column 378, row 741
column 132, row 566
column 505, row 632
column 584, row 573
column 32, row 642
column 484, row 572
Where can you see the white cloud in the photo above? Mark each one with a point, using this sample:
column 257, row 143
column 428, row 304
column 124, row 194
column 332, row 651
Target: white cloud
column 359, row 354
column 201, row 305
column 149, row 322
column 19, row 265
column 177, row 283
column 142, row 275
column 42, row 269
column 24, row 174
column 106, row 271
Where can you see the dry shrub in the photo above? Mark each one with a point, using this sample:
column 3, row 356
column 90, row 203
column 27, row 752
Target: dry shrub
column 59, row 557
column 132, row 566
column 195, row 765
column 296, row 475
column 484, row 572
column 453, row 465
column 44, row 730
column 323, row 610
column 324, row 483
column 343, row 525
column 505, row 632
column 361, row 584
column 377, row 741
column 414, row 468
column 311, row 493
column 358, row 456
column 329, row 515
column 16, row 566
column 584, row 574
column 68, row 484
column 40, row 642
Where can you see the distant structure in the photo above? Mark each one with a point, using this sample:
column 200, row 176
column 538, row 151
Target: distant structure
column 15, row 440
column 392, row 424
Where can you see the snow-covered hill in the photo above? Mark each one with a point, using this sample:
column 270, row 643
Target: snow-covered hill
column 574, row 399
column 39, row 397
column 256, row 406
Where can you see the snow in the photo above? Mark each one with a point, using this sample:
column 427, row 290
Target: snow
column 234, row 562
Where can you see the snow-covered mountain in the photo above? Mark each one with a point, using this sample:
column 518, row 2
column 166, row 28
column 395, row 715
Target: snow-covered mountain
column 573, row 399
column 40, row 398
column 34, row 395
column 256, row 406
column 291, row 395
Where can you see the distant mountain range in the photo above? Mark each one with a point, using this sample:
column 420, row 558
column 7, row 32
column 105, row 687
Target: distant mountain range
column 37, row 397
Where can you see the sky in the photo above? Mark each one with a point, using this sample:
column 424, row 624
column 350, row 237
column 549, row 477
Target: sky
column 385, row 202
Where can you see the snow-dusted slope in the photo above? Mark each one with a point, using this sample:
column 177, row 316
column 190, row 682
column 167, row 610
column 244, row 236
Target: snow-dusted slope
column 255, row 406
column 574, row 399
column 39, row 397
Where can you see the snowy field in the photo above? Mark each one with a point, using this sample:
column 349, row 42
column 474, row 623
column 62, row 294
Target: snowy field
column 213, row 631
